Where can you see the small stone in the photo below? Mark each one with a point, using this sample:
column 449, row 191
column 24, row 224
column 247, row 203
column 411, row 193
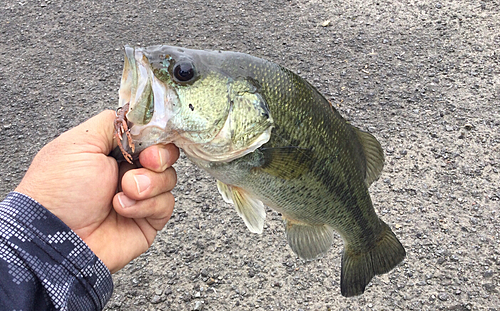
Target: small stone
column 156, row 299
column 490, row 288
column 187, row 297
column 198, row 305
column 326, row 23
column 443, row 296
column 487, row 274
column 251, row 273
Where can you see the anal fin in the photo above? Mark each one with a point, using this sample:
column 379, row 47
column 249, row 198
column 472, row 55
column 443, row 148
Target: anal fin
column 250, row 209
column 308, row 241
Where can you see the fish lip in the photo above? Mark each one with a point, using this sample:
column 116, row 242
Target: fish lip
column 137, row 78
column 129, row 77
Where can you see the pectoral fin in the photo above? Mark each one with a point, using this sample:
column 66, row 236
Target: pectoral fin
column 286, row 162
column 249, row 208
column 308, row 241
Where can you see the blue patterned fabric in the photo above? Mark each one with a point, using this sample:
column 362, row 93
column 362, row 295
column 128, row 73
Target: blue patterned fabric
column 44, row 265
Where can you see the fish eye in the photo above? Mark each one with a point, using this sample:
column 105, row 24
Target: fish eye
column 184, row 72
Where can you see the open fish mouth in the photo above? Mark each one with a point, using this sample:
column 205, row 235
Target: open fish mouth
column 148, row 101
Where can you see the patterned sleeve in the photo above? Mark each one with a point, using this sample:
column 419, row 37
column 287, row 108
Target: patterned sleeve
column 44, row 265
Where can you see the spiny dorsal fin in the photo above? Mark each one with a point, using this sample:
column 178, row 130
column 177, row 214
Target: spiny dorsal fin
column 249, row 208
column 286, row 162
column 374, row 155
column 308, row 241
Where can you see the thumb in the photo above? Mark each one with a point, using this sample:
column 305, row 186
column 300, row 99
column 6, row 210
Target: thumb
column 97, row 131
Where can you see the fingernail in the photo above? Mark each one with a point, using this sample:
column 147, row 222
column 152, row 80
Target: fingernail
column 142, row 182
column 125, row 201
column 163, row 156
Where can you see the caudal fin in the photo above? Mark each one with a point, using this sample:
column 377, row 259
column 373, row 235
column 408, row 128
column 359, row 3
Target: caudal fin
column 358, row 268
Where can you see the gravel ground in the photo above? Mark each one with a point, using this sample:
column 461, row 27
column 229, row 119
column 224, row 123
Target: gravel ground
column 422, row 76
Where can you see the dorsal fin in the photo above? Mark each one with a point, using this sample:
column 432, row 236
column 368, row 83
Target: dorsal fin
column 374, row 155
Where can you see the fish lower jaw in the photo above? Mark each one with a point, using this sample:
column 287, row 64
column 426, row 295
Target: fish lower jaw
column 202, row 152
column 223, row 153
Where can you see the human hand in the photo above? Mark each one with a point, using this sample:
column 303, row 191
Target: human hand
column 75, row 179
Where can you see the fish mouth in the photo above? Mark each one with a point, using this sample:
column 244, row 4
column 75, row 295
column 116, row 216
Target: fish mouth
column 150, row 102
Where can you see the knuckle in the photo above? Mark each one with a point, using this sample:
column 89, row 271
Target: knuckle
column 169, row 178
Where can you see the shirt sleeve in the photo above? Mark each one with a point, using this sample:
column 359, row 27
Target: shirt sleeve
column 44, row 265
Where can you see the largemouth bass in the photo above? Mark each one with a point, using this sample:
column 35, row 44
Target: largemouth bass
column 269, row 138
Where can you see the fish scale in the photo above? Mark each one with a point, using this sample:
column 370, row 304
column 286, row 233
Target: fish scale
column 268, row 137
column 329, row 129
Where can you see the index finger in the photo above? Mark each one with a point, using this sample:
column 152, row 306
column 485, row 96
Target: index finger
column 159, row 157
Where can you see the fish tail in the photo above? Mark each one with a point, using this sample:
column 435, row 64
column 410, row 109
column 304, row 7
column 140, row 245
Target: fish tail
column 359, row 267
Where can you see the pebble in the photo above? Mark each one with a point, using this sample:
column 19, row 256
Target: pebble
column 156, row 299
column 204, row 273
column 251, row 273
column 487, row 274
column 443, row 296
column 490, row 288
column 198, row 305
column 326, row 23
column 187, row 297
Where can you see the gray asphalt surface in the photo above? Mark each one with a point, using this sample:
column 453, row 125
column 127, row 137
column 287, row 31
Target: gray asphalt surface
column 423, row 77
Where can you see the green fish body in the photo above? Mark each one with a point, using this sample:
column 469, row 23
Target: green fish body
column 269, row 138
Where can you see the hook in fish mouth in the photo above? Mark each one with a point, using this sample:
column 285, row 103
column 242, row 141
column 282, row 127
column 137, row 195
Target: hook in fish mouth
column 121, row 127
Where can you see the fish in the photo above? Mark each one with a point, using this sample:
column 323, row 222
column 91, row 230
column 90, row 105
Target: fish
column 269, row 138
